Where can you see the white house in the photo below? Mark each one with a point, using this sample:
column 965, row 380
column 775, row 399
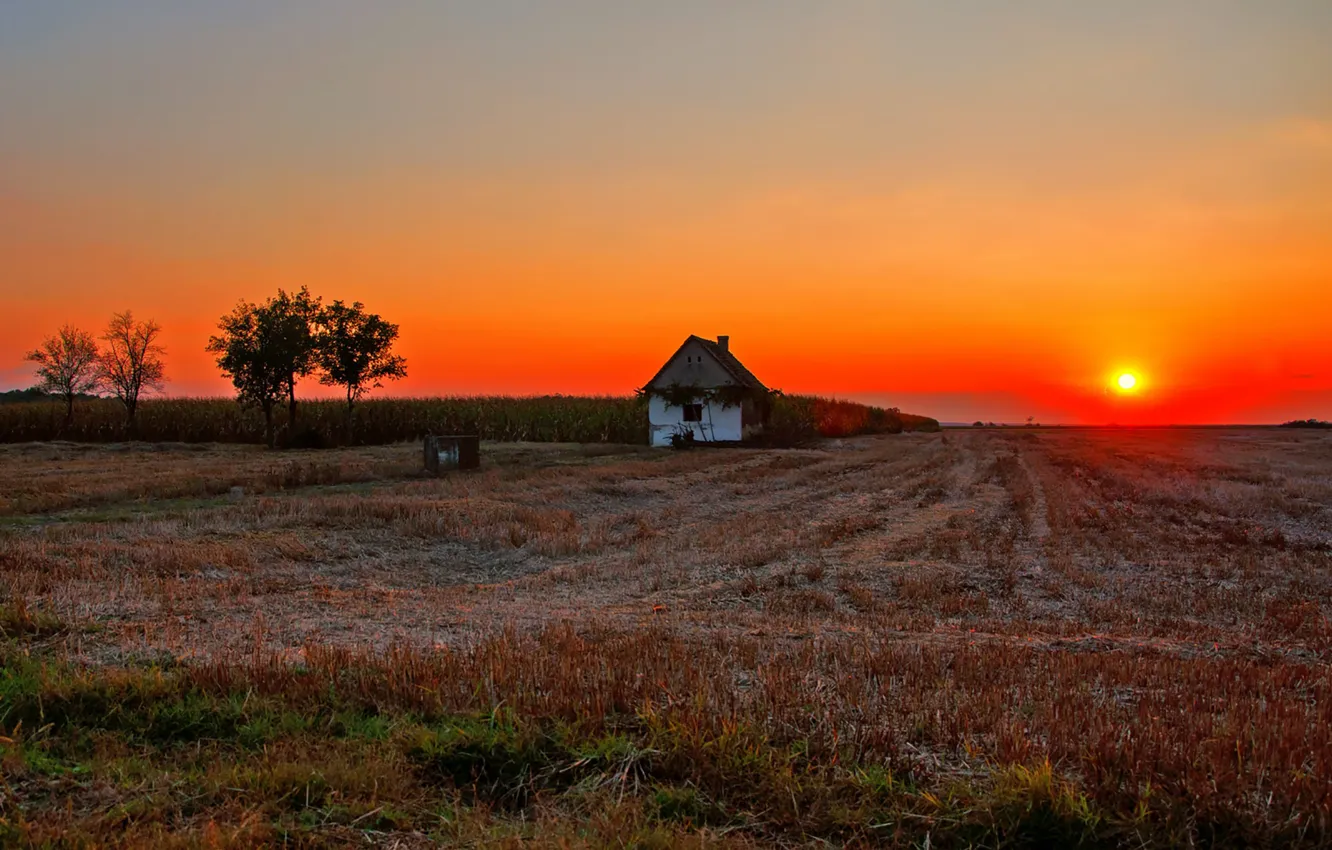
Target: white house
column 704, row 390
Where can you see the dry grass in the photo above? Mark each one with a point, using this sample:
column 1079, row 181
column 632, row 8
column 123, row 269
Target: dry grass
column 1132, row 625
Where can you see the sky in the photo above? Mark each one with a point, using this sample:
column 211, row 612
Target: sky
column 970, row 210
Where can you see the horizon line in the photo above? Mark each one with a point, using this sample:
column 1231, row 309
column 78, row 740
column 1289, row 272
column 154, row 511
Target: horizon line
column 950, row 424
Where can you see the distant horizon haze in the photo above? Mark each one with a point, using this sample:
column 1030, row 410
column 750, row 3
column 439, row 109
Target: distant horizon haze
column 962, row 210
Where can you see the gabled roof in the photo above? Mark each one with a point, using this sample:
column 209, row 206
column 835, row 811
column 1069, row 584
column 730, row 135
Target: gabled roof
column 728, row 361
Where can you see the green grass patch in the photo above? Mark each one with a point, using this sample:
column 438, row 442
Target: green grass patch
column 99, row 754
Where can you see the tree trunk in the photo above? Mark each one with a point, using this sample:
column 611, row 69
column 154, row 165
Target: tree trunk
column 269, row 436
column 350, row 402
column 291, row 405
column 132, row 419
column 69, row 410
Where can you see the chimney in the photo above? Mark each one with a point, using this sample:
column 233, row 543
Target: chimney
column 724, row 343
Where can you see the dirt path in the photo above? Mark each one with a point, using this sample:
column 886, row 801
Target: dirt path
column 1038, row 533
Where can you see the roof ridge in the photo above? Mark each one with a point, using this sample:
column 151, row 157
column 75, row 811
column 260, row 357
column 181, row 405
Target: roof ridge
column 728, row 361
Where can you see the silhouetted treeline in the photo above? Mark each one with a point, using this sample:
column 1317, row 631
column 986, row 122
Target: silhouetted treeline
column 38, row 394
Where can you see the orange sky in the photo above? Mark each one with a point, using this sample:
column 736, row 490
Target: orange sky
column 968, row 215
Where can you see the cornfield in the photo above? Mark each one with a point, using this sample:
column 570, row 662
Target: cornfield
column 575, row 419
column 800, row 418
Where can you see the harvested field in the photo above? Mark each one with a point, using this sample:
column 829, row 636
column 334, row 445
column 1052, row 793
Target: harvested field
column 988, row 637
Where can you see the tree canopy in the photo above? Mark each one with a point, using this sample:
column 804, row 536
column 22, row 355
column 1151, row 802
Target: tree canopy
column 355, row 350
column 245, row 351
column 265, row 348
column 293, row 317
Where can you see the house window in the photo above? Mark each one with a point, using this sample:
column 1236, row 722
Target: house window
column 693, row 413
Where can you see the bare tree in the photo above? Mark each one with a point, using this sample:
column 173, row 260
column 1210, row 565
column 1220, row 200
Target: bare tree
column 131, row 363
column 67, row 365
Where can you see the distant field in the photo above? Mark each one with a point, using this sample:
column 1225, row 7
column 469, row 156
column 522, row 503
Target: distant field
column 578, row 419
column 980, row 638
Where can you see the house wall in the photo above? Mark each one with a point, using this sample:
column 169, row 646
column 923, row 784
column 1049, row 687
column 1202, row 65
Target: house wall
column 719, row 423
column 692, row 365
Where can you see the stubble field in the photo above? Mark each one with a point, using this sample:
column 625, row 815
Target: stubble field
column 972, row 638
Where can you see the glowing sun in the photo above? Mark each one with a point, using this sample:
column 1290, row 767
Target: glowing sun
column 1127, row 381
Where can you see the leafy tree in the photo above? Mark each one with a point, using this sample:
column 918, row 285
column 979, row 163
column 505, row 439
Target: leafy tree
column 355, row 351
column 131, row 363
column 245, row 351
column 293, row 318
column 67, row 366
column 265, row 348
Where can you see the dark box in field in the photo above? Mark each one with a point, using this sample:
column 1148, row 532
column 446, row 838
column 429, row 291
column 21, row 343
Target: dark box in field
column 452, row 452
